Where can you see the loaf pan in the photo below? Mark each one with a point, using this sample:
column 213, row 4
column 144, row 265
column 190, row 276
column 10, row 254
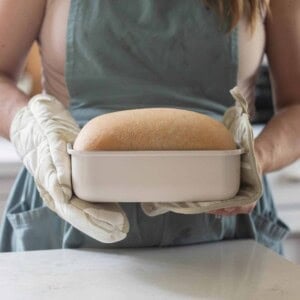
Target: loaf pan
column 155, row 176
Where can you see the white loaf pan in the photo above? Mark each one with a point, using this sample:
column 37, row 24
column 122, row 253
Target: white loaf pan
column 155, row 176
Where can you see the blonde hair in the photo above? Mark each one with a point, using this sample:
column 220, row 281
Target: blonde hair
column 233, row 10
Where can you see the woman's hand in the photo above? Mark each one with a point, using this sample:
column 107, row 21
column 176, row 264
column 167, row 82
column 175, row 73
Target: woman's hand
column 236, row 120
column 245, row 209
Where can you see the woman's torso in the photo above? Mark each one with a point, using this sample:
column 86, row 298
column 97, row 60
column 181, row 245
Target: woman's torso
column 52, row 39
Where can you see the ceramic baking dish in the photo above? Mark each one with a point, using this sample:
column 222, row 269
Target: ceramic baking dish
column 155, row 176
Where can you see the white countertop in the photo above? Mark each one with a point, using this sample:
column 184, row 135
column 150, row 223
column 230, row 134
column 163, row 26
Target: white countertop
column 225, row 270
column 10, row 163
column 8, row 153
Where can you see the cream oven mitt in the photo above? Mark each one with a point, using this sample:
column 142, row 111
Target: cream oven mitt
column 40, row 132
column 236, row 119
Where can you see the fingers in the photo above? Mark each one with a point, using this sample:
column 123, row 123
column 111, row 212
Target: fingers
column 109, row 215
column 231, row 211
column 105, row 223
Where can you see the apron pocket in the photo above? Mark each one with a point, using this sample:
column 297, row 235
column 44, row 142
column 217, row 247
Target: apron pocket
column 36, row 229
column 270, row 232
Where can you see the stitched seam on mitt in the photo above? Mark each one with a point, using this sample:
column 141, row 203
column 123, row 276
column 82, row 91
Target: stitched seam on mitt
column 47, row 139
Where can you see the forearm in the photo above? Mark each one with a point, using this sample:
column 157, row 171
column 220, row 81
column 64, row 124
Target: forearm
column 278, row 144
column 11, row 100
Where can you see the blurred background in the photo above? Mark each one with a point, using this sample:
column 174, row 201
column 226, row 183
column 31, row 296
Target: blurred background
column 285, row 183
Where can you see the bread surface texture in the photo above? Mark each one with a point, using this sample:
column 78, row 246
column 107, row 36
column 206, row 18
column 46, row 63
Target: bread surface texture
column 154, row 129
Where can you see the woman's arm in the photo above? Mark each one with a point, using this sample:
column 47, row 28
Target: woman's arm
column 279, row 143
column 20, row 22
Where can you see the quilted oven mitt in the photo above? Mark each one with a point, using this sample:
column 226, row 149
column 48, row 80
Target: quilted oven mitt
column 236, row 119
column 40, row 132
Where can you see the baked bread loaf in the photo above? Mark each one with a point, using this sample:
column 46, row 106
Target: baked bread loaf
column 154, row 129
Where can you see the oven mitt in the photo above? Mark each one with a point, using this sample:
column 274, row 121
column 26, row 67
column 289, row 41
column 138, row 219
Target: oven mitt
column 40, row 132
column 236, row 119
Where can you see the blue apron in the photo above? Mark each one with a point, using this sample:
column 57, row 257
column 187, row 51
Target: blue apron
column 142, row 53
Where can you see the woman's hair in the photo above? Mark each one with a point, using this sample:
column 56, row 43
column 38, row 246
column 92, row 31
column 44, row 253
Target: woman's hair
column 233, row 10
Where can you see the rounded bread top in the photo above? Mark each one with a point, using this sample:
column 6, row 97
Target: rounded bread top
column 154, row 129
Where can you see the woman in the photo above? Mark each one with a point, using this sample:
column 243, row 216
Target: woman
column 101, row 56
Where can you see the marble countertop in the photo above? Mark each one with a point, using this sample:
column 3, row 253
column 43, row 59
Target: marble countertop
column 224, row 270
